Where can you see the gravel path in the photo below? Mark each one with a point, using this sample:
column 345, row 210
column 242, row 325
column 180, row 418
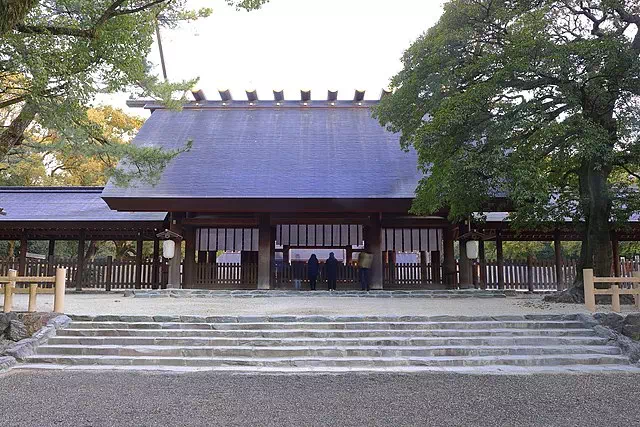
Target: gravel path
column 138, row 399
column 115, row 303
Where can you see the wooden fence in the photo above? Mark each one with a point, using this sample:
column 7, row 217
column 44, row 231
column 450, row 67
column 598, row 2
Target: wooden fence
column 516, row 274
column 285, row 274
column 104, row 273
column 121, row 274
column 226, row 276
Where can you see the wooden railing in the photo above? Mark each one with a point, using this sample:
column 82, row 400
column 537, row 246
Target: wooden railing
column 517, row 272
column 33, row 290
column 631, row 286
column 225, row 276
column 104, row 273
column 285, row 274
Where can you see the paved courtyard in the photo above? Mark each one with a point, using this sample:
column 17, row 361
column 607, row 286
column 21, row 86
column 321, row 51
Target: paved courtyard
column 141, row 399
column 116, row 303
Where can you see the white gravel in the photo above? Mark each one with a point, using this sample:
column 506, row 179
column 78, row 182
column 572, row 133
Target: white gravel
column 116, row 303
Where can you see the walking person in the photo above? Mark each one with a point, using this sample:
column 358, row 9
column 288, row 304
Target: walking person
column 331, row 271
column 312, row 271
column 365, row 259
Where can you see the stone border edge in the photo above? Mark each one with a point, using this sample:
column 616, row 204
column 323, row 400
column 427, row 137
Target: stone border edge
column 316, row 318
column 629, row 347
column 27, row 347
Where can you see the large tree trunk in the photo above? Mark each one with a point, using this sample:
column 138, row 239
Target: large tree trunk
column 595, row 252
column 599, row 230
column 13, row 12
column 13, row 135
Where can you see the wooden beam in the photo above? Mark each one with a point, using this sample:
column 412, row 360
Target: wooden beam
column 139, row 243
column 449, row 260
column 155, row 279
column 22, row 259
column 615, row 248
column 266, row 241
column 80, row 270
column 482, row 261
column 500, row 259
column 189, row 257
column 373, row 244
column 175, row 225
column 557, row 249
column 465, row 262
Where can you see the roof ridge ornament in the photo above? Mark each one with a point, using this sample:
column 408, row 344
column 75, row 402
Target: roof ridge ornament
column 225, row 95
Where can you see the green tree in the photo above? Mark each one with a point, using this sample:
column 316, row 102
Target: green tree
column 56, row 55
column 535, row 99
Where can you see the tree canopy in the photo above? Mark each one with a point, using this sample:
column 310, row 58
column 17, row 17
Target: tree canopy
column 56, row 55
column 535, row 100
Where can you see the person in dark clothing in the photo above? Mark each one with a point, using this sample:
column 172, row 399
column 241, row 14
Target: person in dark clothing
column 312, row 271
column 331, row 271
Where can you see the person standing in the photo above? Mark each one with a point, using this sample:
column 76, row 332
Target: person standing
column 312, row 271
column 365, row 259
column 331, row 271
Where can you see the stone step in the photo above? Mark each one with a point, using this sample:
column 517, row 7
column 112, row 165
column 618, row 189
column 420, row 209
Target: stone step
column 542, row 324
column 330, row 341
column 325, row 362
column 320, row 351
column 322, row 333
column 473, row 370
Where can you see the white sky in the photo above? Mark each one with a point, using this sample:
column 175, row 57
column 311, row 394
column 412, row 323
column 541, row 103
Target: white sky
column 295, row 44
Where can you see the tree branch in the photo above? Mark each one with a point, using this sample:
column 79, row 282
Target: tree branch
column 11, row 101
column 54, row 30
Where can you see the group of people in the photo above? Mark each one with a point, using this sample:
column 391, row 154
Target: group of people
column 365, row 261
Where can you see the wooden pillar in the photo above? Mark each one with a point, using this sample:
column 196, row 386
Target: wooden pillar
column 482, row 262
column 500, row 259
column 435, row 267
column 52, row 248
column 51, row 258
column 266, row 247
column 465, row 264
column 449, row 258
column 22, row 259
column 285, row 254
column 424, row 270
column 80, row 270
column 174, row 277
column 139, row 260
column 348, row 255
column 109, row 275
column 557, row 248
column 373, row 244
column 189, row 267
column 155, row 273
column 615, row 246
column 392, row 267
column 530, row 273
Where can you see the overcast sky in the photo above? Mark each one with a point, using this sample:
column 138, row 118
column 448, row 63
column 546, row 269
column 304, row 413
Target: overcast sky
column 295, row 44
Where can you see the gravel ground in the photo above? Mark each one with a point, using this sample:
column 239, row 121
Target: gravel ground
column 115, row 303
column 137, row 399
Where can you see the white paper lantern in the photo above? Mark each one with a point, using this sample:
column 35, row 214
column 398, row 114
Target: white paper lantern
column 168, row 249
column 472, row 249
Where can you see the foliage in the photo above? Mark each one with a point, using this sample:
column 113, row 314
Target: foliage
column 48, row 162
column 56, row 55
column 533, row 99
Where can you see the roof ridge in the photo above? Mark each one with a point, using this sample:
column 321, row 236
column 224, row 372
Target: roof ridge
column 36, row 188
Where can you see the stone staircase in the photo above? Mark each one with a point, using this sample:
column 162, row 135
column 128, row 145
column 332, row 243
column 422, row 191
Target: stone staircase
column 510, row 344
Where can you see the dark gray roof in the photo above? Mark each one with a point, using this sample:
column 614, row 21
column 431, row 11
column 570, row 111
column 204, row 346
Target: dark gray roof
column 270, row 152
column 63, row 204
